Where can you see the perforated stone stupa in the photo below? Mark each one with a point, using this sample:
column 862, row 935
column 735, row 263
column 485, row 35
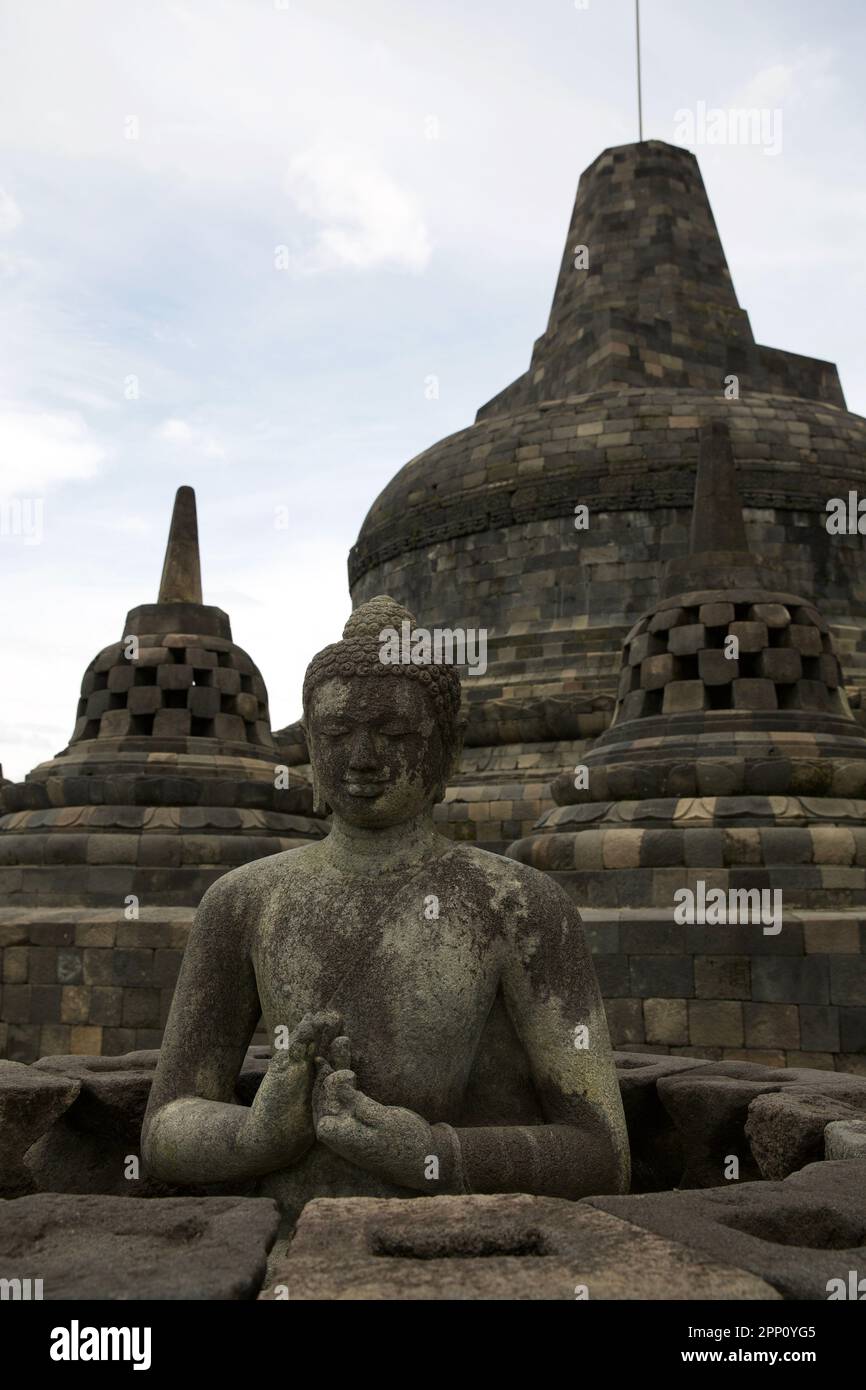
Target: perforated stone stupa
column 732, row 761
column 105, row 850
column 479, row 530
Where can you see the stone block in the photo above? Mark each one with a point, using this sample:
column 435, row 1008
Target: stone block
column 665, row 619
column 806, row 640
column 106, row 1003
column 172, row 723
column 111, row 1248
column 85, row 1040
column 75, row 1004
column 661, row 977
column 612, row 975
column 717, row 669
column 852, row 1030
column 117, row 723
column 30, row 1102
column 121, row 678
column 166, row 968
column 645, row 646
column 141, row 1008
column 144, row 699
column 226, row 680
column 752, row 637
column 132, row 967
column 828, row 670
column 771, row 1025
column 505, row 1246
column 772, row 614
column 791, row 980
column 203, row 701
column 755, row 694
column 722, row 977
column 44, row 1004
column 230, row 727
column 625, row 1021
column 808, row 694
column 247, row 706
column 684, row 697
column 819, row 1028
column 69, row 965
column 716, row 614
column 98, row 966
column 715, row 1023
column 749, row 1225
column 152, row 656
column 43, row 965
column 848, row 980
column 15, row 965
column 174, row 676
column 785, row 1129
column 666, row 1021
column 780, row 664
column 687, row 640
column 845, row 1139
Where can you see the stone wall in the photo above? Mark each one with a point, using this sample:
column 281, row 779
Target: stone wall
column 731, row 993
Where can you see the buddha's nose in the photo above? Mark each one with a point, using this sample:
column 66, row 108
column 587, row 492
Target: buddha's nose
column 363, row 754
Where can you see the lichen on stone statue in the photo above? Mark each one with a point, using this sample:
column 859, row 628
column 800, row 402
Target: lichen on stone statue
column 436, row 1020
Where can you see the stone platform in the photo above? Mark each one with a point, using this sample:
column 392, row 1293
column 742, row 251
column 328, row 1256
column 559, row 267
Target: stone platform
column 748, row 1182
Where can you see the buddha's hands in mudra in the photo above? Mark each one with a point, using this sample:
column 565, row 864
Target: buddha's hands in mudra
column 386, row 1140
column 281, row 1114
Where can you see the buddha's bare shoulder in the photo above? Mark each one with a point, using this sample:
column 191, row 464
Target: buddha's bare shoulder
column 510, row 883
column 259, row 880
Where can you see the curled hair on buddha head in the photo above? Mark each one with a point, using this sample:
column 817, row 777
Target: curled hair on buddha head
column 358, row 654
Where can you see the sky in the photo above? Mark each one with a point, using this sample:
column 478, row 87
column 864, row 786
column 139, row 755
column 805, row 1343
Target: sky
column 239, row 237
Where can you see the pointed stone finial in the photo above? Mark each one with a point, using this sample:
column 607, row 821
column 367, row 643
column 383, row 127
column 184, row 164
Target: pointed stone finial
column 181, row 571
column 717, row 515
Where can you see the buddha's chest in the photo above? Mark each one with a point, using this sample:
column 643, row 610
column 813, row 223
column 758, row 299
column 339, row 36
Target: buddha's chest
column 412, row 972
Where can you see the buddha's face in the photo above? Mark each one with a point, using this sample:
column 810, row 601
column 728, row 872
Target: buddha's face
column 376, row 748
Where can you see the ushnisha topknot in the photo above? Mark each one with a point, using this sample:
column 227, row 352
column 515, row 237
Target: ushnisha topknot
column 358, row 655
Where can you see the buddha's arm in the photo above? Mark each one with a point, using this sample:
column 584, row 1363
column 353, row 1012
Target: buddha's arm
column 193, row 1132
column 553, row 999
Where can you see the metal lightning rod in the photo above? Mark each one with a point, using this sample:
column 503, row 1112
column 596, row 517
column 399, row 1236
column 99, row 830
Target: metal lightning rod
column 639, row 100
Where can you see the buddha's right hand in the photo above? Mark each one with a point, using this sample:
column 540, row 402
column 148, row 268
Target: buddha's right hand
column 281, row 1117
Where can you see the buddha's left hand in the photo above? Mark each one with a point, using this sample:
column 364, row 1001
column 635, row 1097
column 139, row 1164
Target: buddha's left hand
column 392, row 1143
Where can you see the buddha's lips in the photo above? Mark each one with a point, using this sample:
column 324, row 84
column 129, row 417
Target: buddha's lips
column 366, row 787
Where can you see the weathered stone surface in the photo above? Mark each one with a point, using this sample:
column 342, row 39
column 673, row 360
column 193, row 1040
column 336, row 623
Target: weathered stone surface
column 785, row 1129
column 498, row 1247
column 709, row 1110
column 656, row 1146
column 797, row 1234
column 113, row 1090
column 109, row 1248
column 30, row 1102
column 845, row 1139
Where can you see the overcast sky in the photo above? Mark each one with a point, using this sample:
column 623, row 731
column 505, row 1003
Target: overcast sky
column 237, row 237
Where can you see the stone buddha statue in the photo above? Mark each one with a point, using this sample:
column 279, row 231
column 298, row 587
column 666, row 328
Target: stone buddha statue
column 435, row 1015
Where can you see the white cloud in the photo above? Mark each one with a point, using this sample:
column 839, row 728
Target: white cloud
column 182, row 433
column 10, row 213
column 367, row 220
column 39, row 449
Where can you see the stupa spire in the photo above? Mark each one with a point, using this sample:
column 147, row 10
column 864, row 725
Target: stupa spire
column 717, row 515
column 181, row 570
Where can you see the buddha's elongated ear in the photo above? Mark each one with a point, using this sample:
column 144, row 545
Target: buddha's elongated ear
column 453, row 753
column 320, row 805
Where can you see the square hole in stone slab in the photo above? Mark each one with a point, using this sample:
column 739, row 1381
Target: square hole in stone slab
column 459, row 1245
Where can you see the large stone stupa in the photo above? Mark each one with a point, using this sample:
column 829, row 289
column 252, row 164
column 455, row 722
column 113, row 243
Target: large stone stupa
column 640, row 350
